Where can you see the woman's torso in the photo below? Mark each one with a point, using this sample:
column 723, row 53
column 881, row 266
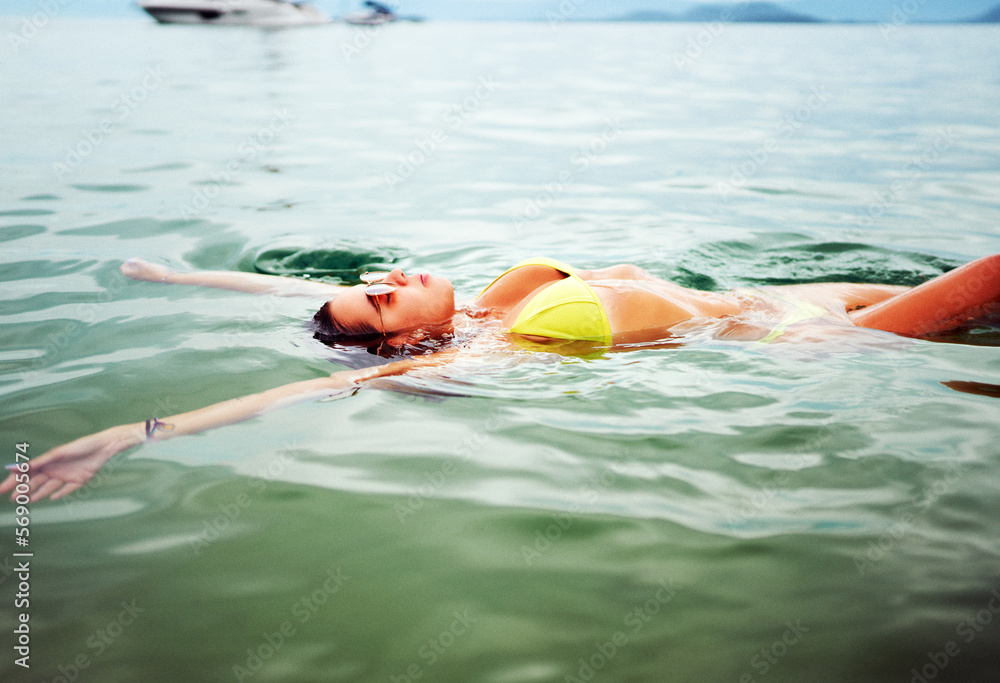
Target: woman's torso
column 643, row 308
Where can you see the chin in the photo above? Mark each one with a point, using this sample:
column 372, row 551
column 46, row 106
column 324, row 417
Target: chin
column 449, row 309
column 448, row 291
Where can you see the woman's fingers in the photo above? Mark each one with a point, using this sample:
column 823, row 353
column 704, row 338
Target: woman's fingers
column 45, row 489
column 37, row 481
column 42, row 486
column 67, row 489
column 137, row 269
column 132, row 268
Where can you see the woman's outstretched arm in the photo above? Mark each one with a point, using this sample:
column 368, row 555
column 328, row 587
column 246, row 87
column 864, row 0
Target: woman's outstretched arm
column 252, row 283
column 66, row 468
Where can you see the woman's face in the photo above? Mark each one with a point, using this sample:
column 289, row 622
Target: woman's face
column 419, row 300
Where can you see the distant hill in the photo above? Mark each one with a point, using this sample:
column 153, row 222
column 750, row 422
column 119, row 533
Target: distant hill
column 748, row 12
column 649, row 15
column 991, row 17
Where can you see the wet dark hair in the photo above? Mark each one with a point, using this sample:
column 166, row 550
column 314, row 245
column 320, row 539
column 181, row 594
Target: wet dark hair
column 330, row 330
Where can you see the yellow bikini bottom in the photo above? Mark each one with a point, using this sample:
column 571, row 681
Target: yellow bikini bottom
column 803, row 311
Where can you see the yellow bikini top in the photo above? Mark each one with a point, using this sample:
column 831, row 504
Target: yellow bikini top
column 566, row 309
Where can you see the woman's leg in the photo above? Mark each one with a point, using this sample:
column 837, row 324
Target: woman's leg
column 940, row 304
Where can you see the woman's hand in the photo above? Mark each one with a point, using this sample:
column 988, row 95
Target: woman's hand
column 137, row 269
column 63, row 470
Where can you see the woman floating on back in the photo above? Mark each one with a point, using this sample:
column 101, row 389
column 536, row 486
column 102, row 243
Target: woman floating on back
column 540, row 301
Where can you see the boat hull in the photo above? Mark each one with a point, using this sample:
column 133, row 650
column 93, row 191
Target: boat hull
column 233, row 12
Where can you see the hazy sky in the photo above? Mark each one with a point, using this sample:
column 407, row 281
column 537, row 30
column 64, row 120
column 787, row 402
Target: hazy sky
column 865, row 10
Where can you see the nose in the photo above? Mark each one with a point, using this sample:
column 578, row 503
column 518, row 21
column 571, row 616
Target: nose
column 396, row 277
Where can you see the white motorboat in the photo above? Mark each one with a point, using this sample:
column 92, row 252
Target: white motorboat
column 234, row 12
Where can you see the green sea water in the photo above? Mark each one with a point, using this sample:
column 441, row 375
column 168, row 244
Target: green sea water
column 713, row 512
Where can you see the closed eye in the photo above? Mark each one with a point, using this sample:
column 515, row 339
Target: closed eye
column 374, row 304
